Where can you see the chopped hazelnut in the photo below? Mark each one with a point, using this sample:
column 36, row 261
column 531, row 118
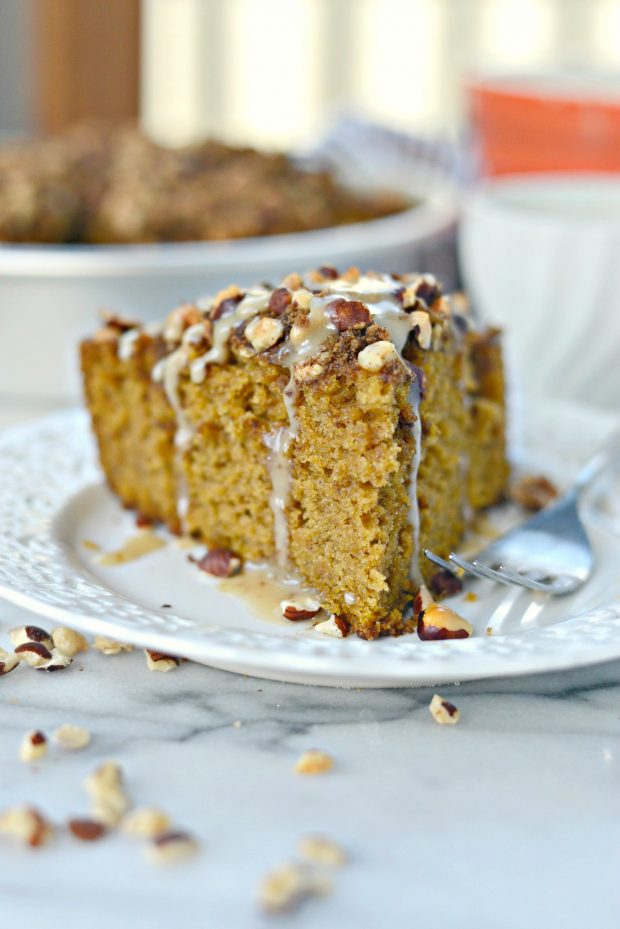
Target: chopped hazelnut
column 422, row 328
column 68, row 641
column 293, row 281
column 33, row 747
column 321, row 850
column 72, row 737
column 263, row 332
column 297, row 334
column 444, row 712
column 86, row 830
column 445, row 584
column 226, row 300
column 309, row 371
column 286, row 887
column 303, row 608
column 26, row 824
column 335, row 626
column 170, row 847
column 436, row 623
column 314, row 761
column 109, row 802
column 348, row 314
column 377, row 355
column 34, row 654
column 279, row 300
column 157, row 661
column 302, row 297
column 57, row 662
column 110, row 646
column 8, row 662
column 23, row 634
column 352, row 275
column 533, row 492
column 146, row 822
column 220, row 562
column 425, row 288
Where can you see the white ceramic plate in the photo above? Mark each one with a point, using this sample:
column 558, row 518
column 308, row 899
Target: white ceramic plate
column 52, row 499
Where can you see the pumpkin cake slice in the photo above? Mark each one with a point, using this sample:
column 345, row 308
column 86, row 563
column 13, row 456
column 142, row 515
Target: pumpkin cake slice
column 331, row 427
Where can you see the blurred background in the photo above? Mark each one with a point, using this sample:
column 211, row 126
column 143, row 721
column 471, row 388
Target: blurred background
column 273, row 72
column 498, row 119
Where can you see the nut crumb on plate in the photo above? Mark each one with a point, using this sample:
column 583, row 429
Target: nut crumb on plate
column 72, row 737
column 34, row 746
column 110, row 646
column 56, row 662
column 302, row 608
column 145, row 822
column 26, row 824
column 69, row 642
column 220, row 562
column 336, row 626
column 533, row 492
column 170, row 847
column 321, row 850
column 313, row 761
column 444, row 712
column 157, row 661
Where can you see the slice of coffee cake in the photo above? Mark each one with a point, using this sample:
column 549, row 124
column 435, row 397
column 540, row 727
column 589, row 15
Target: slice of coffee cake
column 332, row 427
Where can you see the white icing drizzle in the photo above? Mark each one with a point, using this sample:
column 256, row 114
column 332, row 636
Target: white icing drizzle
column 414, row 509
column 127, row 343
column 253, row 302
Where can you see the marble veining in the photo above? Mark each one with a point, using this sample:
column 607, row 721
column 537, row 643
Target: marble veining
column 507, row 820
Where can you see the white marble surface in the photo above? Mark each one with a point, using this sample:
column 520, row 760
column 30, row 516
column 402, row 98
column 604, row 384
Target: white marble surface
column 508, row 820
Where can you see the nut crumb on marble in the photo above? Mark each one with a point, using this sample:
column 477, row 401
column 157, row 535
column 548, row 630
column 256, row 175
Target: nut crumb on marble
column 444, row 712
column 24, row 634
column 314, row 761
column 69, row 642
column 321, row 850
column 377, row 355
column 56, row 662
column 157, row 661
column 109, row 802
column 336, row 626
column 110, row 646
column 72, row 737
column 34, row 654
column 170, row 847
column 33, row 747
column 301, row 608
column 288, row 886
column 86, row 830
column 237, row 724
column 8, row 662
column 145, row 822
column 27, row 825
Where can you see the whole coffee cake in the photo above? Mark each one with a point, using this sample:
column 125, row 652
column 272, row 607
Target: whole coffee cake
column 332, row 426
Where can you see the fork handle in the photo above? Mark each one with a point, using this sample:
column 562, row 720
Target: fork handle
column 599, row 461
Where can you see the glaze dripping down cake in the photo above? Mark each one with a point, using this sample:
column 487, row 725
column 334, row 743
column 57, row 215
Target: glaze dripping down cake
column 333, row 427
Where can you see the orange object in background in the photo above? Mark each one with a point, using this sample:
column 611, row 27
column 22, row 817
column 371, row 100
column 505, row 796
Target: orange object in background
column 553, row 122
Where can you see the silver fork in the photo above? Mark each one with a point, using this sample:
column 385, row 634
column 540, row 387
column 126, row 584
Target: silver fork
column 550, row 552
